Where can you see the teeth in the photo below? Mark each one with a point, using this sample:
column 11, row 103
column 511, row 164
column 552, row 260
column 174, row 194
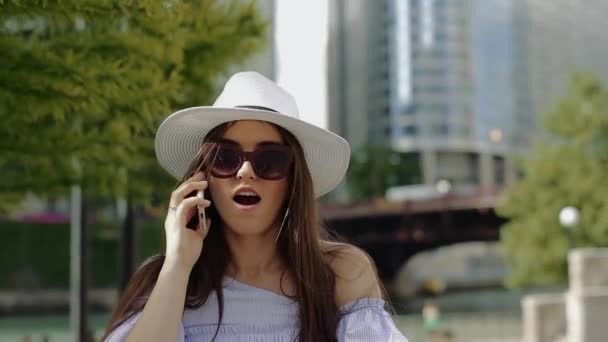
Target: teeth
column 247, row 193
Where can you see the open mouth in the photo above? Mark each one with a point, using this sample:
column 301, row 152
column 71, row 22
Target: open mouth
column 247, row 198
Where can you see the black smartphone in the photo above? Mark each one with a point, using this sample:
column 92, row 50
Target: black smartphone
column 200, row 217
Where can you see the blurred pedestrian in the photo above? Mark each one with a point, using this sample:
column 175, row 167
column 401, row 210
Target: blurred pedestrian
column 433, row 324
column 431, row 316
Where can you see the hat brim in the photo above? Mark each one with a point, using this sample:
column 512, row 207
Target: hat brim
column 180, row 136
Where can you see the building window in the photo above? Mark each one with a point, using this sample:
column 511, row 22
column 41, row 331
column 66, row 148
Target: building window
column 429, row 72
column 499, row 170
column 440, row 129
column 409, row 130
column 436, row 108
column 430, row 89
column 409, row 110
column 462, row 131
column 387, row 131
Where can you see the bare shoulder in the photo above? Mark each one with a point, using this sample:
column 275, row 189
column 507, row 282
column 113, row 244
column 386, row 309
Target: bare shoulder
column 356, row 276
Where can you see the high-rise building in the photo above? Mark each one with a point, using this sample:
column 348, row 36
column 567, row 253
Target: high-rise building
column 452, row 98
column 358, row 70
column 460, row 83
column 558, row 38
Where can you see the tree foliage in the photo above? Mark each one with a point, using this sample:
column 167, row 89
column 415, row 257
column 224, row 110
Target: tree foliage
column 374, row 168
column 85, row 84
column 566, row 169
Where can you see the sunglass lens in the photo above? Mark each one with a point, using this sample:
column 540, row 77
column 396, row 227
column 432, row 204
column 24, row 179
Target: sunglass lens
column 271, row 163
column 226, row 162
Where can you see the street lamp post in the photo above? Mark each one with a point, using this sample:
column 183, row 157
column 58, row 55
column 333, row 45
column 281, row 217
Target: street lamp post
column 569, row 218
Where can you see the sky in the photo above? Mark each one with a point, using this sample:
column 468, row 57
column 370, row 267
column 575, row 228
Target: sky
column 301, row 45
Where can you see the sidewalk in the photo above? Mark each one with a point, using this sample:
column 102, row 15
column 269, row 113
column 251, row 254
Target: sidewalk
column 52, row 301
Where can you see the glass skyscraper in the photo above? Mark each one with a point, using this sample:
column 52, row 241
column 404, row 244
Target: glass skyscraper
column 458, row 82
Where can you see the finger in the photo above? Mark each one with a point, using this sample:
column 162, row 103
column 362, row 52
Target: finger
column 198, row 209
column 185, row 189
column 171, row 210
column 187, row 208
column 197, row 176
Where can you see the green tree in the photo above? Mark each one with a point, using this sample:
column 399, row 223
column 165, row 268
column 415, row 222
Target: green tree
column 81, row 78
column 567, row 168
column 85, row 84
column 89, row 81
column 218, row 36
column 374, row 168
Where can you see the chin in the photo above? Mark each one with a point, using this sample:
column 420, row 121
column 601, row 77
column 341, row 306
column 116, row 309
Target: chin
column 245, row 227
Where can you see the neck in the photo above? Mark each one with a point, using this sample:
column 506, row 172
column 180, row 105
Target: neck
column 253, row 256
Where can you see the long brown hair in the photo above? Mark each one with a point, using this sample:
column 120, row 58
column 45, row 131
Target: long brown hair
column 299, row 246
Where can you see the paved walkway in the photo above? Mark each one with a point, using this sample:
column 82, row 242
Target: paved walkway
column 465, row 327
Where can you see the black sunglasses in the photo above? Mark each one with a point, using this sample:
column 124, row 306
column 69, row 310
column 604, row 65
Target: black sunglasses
column 269, row 161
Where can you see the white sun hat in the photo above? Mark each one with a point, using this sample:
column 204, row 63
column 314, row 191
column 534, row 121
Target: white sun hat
column 181, row 134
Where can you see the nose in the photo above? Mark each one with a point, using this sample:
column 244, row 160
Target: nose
column 246, row 171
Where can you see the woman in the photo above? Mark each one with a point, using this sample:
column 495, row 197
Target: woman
column 260, row 267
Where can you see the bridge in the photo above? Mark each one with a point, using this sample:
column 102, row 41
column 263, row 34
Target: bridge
column 391, row 232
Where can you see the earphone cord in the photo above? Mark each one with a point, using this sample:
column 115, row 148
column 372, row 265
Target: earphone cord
column 285, row 216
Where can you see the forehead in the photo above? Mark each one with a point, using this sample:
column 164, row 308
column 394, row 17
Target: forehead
column 249, row 133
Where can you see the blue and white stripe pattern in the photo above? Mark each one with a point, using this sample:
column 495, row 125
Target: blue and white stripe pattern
column 253, row 314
